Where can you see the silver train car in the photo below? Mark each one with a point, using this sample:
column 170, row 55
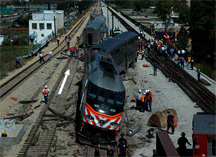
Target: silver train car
column 94, row 32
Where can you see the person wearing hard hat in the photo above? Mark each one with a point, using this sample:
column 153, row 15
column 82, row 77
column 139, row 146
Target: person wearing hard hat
column 46, row 93
column 149, row 97
column 50, row 54
column 41, row 56
column 143, row 102
column 138, row 97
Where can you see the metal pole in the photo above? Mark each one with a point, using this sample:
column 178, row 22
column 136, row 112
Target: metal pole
column 112, row 24
column 10, row 22
column 107, row 18
column 55, row 26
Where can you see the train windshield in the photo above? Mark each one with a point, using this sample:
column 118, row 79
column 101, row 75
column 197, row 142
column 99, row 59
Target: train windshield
column 106, row 96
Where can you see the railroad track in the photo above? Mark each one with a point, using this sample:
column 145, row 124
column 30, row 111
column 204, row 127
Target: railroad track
column 195, row 90
column 11, row 84
column 49, row 138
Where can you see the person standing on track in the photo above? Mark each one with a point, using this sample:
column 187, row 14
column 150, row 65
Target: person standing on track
column 149, row 97
column 122, row 148
column 77, row 51
column 138, row 97
column 198, row 74
column 110, row 151
column 50, row 54
column 17, row 62
column 192, row 63
column 97, row 151
column 46, row 93
column 41, row 56
column 155, row 69
column 58, row 40
column 182, row 150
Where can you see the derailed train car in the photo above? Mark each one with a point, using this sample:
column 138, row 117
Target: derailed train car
column 94, row 32
column 102, row 94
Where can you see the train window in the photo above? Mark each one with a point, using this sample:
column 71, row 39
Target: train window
column 92, row 92
column 110, row 98
column 120, row 99
column 214, row 147
column 101, row 95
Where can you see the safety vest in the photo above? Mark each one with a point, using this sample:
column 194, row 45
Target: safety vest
column 45, row 92
column 77, row 48
column 143, row 98
column 72, row 49
column 189, row 59
column 143, row 52
column 58, row 38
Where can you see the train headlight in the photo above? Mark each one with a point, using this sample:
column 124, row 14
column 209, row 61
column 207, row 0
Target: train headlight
column 89, row 117
column 96, row 105
column 114, row 124
column 112, row 110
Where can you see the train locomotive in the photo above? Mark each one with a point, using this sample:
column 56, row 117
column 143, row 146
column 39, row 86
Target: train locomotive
column 94, row 32
column 101, row 98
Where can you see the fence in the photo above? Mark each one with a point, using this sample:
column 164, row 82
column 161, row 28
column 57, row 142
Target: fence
column 34, row 49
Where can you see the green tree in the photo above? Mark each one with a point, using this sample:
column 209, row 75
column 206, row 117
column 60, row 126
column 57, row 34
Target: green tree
column 202, row 27
column 183, row 38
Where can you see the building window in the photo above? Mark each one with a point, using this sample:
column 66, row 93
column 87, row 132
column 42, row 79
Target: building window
column 42, row 35
column 49, row 25
column 214, row 147
column 34, row 25
column 41, row 25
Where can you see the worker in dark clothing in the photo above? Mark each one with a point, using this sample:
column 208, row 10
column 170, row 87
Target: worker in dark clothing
column 182, row 150
column 143, row 54
column 192, row 63
column 122, row 148
column 155, row 153
column 123, row 138
column 138, row 99
column 97, row 151
column 155, row 68
column 170, row 118
column 17, row 62
column 110, row 151
column 198, row 74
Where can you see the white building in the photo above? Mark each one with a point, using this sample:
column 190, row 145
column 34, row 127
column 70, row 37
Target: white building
column 44, row 22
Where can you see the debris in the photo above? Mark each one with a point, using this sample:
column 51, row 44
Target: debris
column 37, row 106
column 10, row 114
column 70, row 144
column 57, row 114
column 134, row 131
column 63, row 124
column 61, row 147
column 133, row 100
column 145, row 65
column 22, row 116
column 72, row 133
column 35, row 139
column 43, row 125
column 14, row 98
column 133, row 79
column 27, row 101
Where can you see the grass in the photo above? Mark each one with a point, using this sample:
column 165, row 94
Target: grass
column 207, row 69
column 8, row 63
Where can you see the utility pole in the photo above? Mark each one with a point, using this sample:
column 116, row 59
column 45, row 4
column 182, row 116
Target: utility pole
column 10, row 21
column 55, row 26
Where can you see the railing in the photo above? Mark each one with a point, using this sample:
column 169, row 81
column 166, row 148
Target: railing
column 34, row 49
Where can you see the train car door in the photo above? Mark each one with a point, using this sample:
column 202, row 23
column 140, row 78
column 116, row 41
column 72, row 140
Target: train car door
column 211, row 146
column 89, row 36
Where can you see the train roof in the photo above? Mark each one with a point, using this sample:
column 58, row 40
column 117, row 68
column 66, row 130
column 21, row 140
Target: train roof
column 204, row 124
column 115, row 41
column 98, row 21
column 100, row 17
column 105, row 80
column 94, row 15
column 93, row 25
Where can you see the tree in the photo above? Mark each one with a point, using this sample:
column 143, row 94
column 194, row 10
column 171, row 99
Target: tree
column 183, row 38
column 202, row 27
column 163, row 8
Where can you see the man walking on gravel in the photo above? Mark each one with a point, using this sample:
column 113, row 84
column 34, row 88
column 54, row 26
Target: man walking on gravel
column 97, row 151
column 46, row 93
column 50, row 54
column 170, row 118
column 41, row 56
column 17, row 62
column 58, row 40
column 198, row 74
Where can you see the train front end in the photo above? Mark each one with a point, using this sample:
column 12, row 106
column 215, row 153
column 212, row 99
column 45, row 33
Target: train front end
column 104, row 102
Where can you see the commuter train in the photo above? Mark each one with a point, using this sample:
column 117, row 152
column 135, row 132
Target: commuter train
column 102, row 94
column 94, row 32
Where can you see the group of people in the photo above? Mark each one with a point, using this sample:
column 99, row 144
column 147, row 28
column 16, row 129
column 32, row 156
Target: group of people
column 41, row 55
column 144, row 100
column 72, row 51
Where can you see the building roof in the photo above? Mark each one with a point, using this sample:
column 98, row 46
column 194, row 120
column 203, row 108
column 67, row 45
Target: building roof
column 204, row 124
